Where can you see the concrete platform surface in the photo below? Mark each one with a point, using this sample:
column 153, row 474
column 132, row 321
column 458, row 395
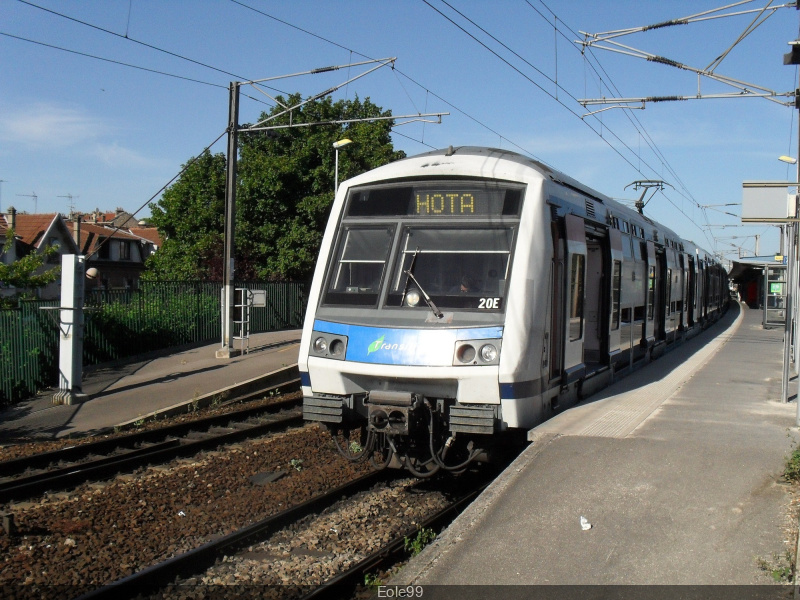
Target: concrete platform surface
column 124, row 392
column 675, row 473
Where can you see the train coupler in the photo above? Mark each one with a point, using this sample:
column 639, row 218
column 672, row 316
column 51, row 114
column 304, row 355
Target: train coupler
column 391, row 412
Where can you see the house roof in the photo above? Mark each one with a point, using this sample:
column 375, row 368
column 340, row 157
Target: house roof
column 33, row 231
column 118, row 218
column 92, row 235
column 31, row 228
column 148, row 233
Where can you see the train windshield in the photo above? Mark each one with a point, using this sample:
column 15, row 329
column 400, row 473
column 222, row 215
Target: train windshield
column 413, row 244
column 360, row 265
column 460, row 268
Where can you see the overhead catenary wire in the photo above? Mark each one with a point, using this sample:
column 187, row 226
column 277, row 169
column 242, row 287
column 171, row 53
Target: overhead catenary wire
column 400, row 75
column 632, row 117
column 135, row 41
column 399, row 72
column 109, row 60
column 552, row 96
column 455, row 107
column 537, row 85
column 606, row 77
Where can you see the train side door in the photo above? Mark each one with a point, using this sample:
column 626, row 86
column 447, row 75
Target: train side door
column 660, row 294
column 690, row 290
column 650, row 321
column 615, row 242
column 670, row 319
column 574, row 322
column 555, row 359
column 701, row 289
column 682, row 279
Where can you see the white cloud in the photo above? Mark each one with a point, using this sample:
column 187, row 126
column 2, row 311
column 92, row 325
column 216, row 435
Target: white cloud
column 49, row 125
column 114, row 155
column 67, row 131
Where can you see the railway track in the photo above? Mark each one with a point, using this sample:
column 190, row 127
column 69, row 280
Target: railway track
column 174, row 576
column 58, row 470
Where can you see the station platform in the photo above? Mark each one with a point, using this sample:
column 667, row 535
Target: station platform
column 121, row 393
column 671, row 476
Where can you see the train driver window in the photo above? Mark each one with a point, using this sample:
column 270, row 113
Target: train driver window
column 354, row 277
column 456, row 267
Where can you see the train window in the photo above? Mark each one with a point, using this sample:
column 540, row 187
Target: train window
column 455, row 267
column 651, row 291
column 576, row 297
column 616, row 282
column 638, row 313
column 355, row 276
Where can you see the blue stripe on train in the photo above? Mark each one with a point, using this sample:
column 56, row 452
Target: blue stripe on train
column 411, row 347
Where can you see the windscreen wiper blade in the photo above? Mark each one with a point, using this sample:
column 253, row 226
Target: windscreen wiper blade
column 439, row 314
column 408, row 276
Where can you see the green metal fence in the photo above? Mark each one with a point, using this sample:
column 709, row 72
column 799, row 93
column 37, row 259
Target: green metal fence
column 124, row 323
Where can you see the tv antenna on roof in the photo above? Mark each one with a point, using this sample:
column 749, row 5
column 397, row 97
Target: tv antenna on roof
column 35, row 201
column 71, row 203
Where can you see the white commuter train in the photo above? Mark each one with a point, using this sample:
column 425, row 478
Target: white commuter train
column 465, row 295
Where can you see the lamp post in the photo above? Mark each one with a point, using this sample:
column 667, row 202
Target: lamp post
column 336, row 146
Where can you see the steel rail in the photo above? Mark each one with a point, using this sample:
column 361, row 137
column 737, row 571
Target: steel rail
column 195, row 561
column 344, row 584
column 17, row 466
column 19, row 489
column 108, row 467
column 201, row 558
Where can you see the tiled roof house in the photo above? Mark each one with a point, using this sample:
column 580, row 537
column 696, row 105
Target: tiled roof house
column 117, row 253
column 34, row 233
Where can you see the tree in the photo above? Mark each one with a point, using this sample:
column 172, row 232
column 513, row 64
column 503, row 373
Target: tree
column 190, row 218
column 25, row 274
column 286, row 181
column 284, row 194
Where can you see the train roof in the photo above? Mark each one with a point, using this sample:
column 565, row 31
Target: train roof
column 439, row 158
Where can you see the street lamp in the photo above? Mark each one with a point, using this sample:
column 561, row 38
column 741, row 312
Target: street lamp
column 336, row 146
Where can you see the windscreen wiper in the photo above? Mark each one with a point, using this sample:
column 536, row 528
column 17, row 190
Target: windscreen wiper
column 410, row 275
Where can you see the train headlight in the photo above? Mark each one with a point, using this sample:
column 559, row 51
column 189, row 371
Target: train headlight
column 337, row 347
column 465, row 353
column 320, row 345
column 328, row 345
column 488, row 353
column 476, row 352
column 412, row 297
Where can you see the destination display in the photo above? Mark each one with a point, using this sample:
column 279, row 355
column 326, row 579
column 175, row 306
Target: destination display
column 453, row 200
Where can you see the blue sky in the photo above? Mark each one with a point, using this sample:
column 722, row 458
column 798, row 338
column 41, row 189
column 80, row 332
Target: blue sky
column 112, row 135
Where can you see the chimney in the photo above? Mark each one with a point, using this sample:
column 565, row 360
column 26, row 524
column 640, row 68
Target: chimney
column 12, row 218
column 76, row 232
